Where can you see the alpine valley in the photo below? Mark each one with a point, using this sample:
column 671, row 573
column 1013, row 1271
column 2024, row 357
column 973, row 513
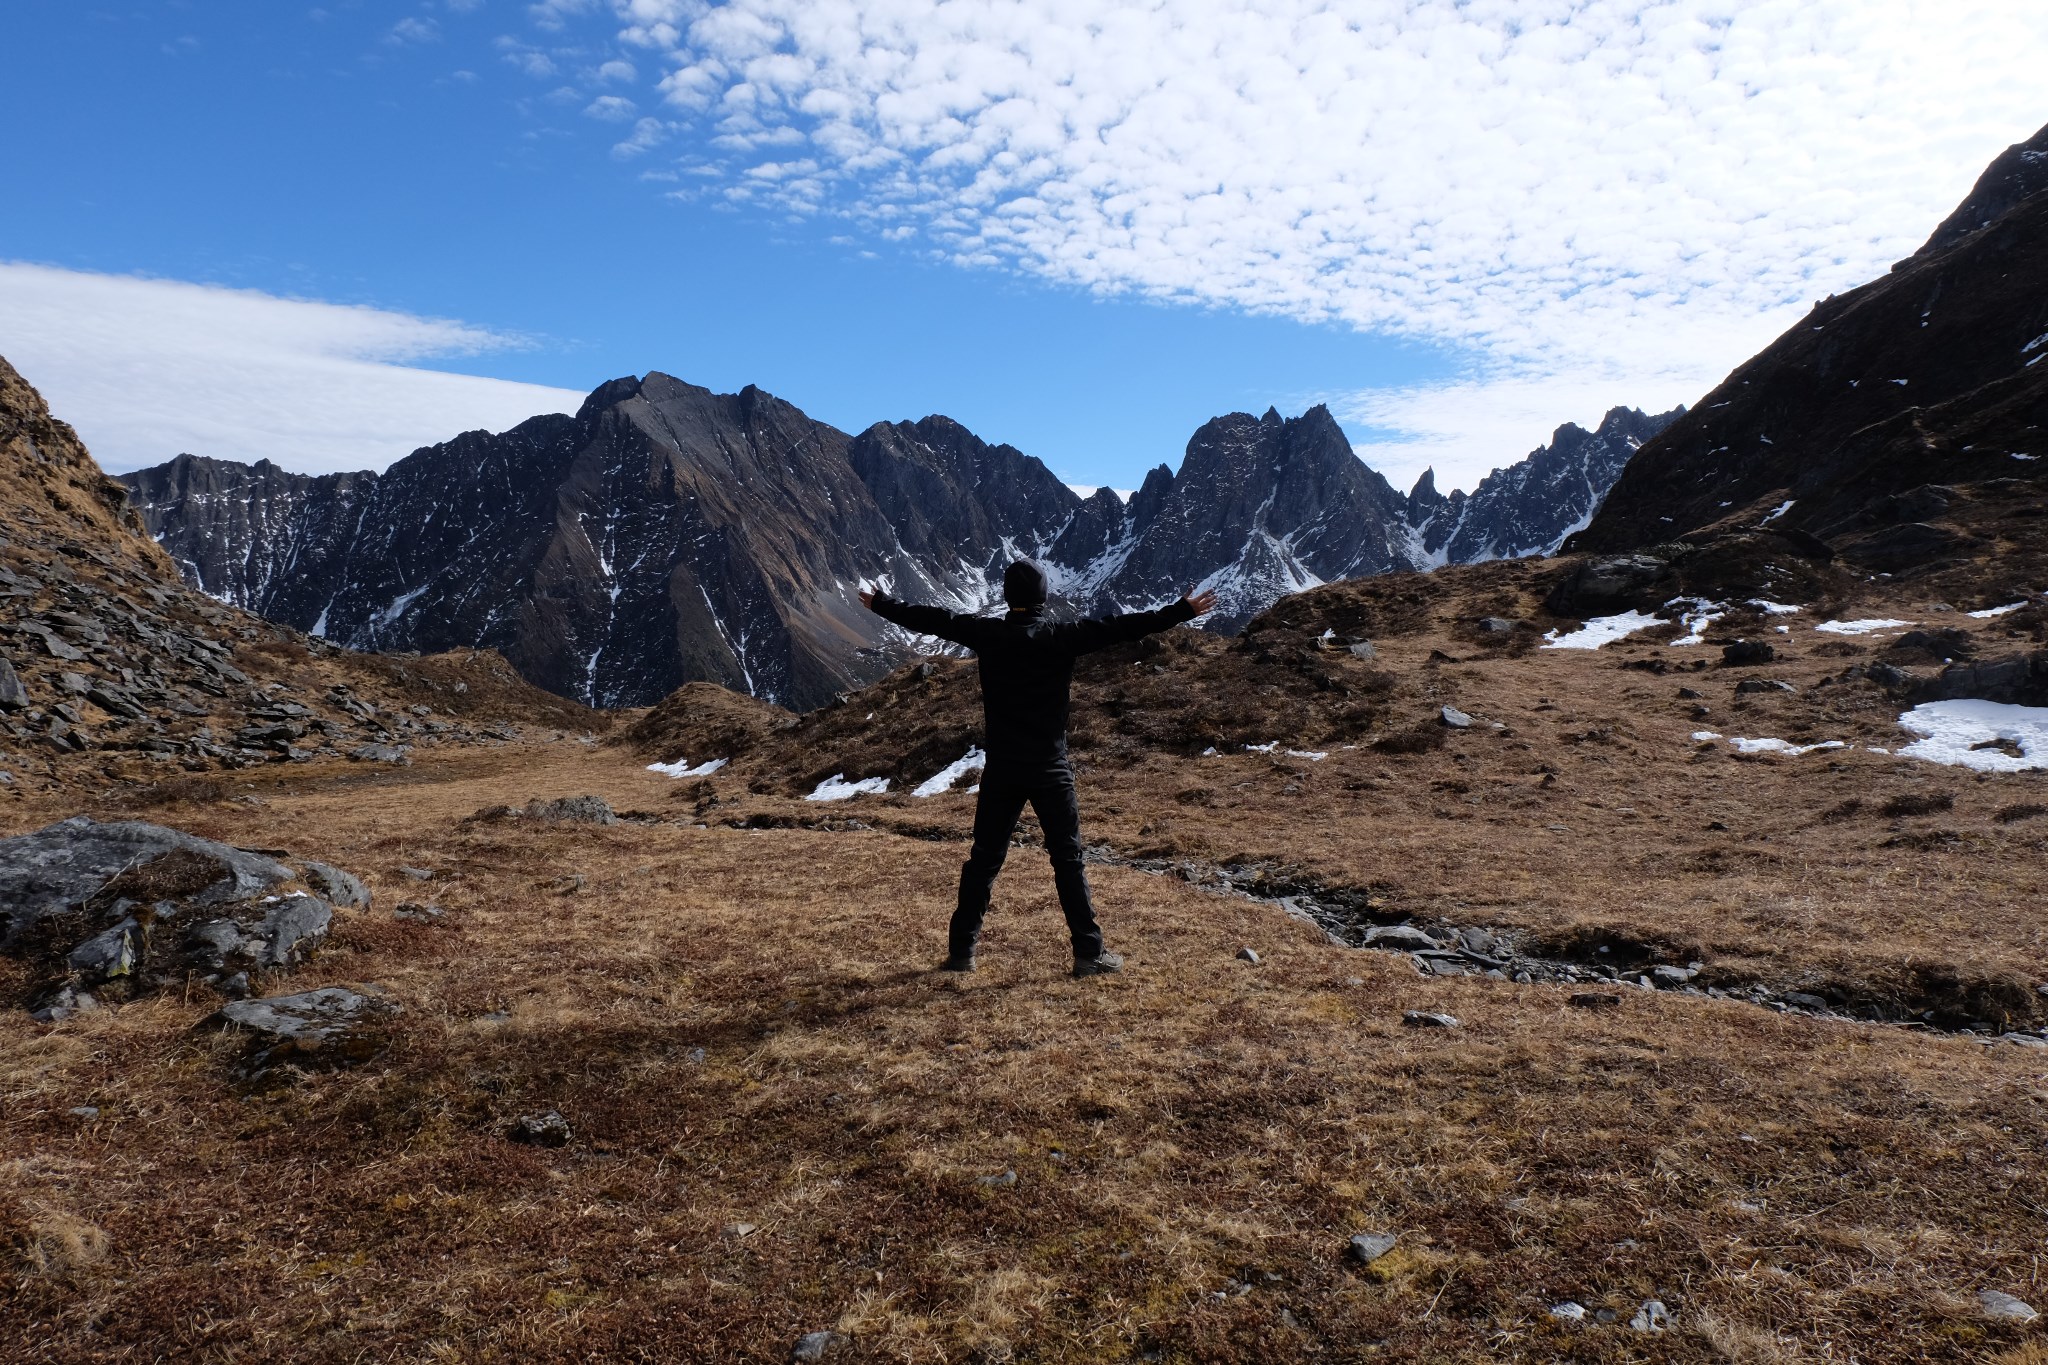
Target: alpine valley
column 666, row 534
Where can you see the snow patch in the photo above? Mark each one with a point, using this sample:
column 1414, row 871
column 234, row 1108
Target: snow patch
column 1696, row 613
column 681, row 768
column 1863, row 627
column 1989, row 612
column 1602, row 630
column 973, row 761
column 1780, row 510
column 1774, row 608
column 1783, row 746
column 837, row 788
column 1273, row 747
column 1973, row 733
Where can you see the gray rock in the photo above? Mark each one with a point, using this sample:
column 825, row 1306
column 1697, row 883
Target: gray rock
column 1426, row 1019
column 997, row 1182
column 1476, row 940
column 1752, row 686
column 62, row 865
column 1363, row 649
column 326, row 1025
column 1804, row 1001
column 1593, row 1000
column 417, row 913
column 85, row 1113
column 1250, row 955
column 212, row 942
column 398, row 754
column 110, row 953
column 540, row 1130
column 1653, row 1316
column 63, row 1005
column 418, row 874
column 292, row 928
column 1456, row 719
column 577, row 810
column 1568, row 1311
column 2003, row 1307
column 72, row 684
column 1367, row 1247
column 343, row 890
column 1403, row 938
column 13, row 696
column 813, row 1345
column 1748, row 652
column 1496, row 625
column 1666, row 975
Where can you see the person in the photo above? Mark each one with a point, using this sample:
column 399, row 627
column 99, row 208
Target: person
column 1027, row 665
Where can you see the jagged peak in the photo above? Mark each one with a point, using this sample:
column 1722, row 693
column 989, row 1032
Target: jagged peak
column 613, row 392
column 1425, row 487
column 1271, row 417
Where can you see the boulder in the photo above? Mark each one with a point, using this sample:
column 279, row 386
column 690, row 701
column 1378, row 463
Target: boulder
column 1455, row 719
column 344, row 890
column 397, row 754
column 329, row 1026
column 63, row 866
column 1367, row 1247
column 1752, row 686
column 1747, row 652
column 573, row 810
column 1607, row 584
column 1426, row 1019
column 13, row 696
column 1403, row 938
column 540, row 1130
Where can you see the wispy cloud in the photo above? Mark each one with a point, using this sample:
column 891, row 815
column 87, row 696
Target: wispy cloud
column 611, row 108
column 1604, row 197
column 411, row 30
column 148, row 368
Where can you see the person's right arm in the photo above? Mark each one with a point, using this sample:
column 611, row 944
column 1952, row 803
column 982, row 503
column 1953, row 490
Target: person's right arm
column 924, row 620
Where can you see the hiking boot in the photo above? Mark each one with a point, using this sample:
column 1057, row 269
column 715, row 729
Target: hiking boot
column 1101, row 964
column 959, row 962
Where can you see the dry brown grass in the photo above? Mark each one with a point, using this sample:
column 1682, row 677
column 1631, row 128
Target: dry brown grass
column 1793, row 1189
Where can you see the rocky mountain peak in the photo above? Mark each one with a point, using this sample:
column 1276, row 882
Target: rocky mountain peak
column 2018, row 173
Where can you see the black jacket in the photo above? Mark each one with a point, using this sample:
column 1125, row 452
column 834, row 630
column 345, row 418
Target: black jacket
column 1027, row 664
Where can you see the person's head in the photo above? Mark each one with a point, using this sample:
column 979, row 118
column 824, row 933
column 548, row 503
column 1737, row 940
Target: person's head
column 1024, row 586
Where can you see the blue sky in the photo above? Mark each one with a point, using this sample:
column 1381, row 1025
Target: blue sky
column 1082, row 236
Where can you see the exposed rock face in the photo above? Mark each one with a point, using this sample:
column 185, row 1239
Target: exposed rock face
column 1530, row 507
column 667, row 534
column 1860, row 424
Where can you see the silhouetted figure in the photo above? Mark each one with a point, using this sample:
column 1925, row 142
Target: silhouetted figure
column 1027, row 664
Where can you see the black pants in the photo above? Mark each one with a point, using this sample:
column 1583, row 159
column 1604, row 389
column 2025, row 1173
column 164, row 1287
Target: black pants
column 1049, row 787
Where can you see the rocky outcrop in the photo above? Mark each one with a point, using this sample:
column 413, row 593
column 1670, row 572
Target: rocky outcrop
column 122, row 905
column 1861, row 423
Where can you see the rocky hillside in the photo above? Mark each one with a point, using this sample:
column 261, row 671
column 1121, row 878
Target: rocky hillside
column 1901, row 425
column 666, row 534
column 112, row 669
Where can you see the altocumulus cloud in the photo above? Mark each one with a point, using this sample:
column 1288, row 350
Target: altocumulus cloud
column 148, row 368
column 1601, row 202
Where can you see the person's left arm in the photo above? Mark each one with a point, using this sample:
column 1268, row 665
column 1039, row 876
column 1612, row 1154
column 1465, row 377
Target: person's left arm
column 1085, row 637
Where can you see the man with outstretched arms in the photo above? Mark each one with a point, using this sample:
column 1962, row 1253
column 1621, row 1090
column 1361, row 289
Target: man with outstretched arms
column 1027, row 664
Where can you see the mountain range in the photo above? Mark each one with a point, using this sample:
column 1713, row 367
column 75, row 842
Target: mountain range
column 667, row 534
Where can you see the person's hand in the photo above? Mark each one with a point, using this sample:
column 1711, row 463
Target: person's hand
column 867, row 598
column 1203, row 602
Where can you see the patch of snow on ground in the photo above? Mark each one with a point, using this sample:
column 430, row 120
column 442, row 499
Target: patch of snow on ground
column 1780, row 510
column 1963, row 733
column 1702, row 736
column 1697, row 615
column 837, row 788
column 1774, row 608
column 1989, row 612
column 1601, row 630
column 1273, row 747
column 1864, row 627
column 681, row 767
column 1783, row 746
column 973, row 761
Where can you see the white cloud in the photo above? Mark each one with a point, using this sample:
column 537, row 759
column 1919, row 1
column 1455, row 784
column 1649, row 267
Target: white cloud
column 1597, row 195
column 411, row 30
column 625, row 73
column 146, row 369
column 648, row 133
column 611, row 108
